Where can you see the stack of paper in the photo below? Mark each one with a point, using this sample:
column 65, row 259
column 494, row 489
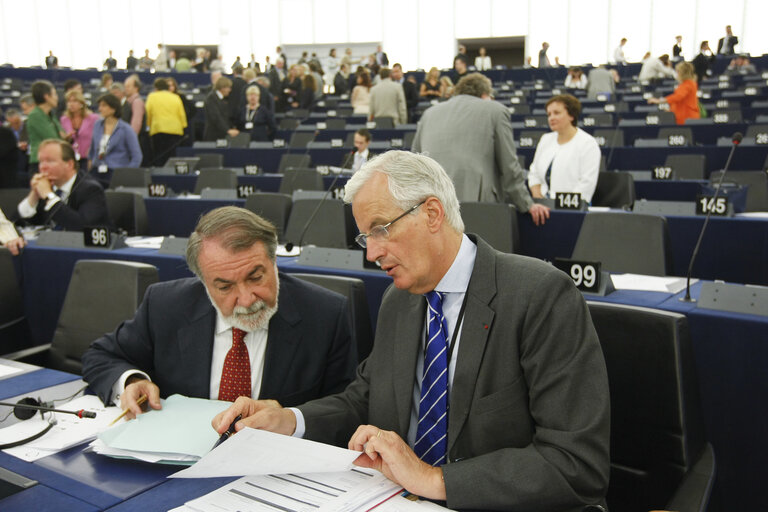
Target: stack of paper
column 649, row 283
column 179, row 433
column 68, row 431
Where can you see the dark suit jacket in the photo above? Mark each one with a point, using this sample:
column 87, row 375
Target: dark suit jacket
column 85, row 206
column 310, row 352
column 264, row 125
column 110, row 63
column 701, row 64
column 131, row 63
column 9, row 153
column 340, row 84
column 528, row 425
column 216, row 117
column 411, row 91
column 721, row 42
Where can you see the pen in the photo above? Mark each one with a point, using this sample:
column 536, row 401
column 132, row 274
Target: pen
column 228, row 433
column 141, row 400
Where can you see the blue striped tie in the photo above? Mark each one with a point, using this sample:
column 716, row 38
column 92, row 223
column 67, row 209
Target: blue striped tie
column 432, row 432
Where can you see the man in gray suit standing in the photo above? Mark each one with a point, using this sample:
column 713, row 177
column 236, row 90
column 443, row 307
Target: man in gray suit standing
column 490, row 394
column 471, row 137
column 388, row 99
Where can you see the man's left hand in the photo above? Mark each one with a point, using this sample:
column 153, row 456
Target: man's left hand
column 386, row 451
column 43, row 187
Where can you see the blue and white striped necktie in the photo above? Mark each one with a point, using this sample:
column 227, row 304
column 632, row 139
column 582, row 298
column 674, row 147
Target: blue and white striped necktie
column 432, row 433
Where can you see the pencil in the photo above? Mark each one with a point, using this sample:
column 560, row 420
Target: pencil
column 141, row 400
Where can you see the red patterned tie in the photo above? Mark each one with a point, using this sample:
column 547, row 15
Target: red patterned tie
column 236, row 376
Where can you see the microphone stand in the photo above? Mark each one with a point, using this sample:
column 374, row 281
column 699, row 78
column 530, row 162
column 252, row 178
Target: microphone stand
column 736, row 140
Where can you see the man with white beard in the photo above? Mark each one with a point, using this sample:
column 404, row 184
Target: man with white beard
column 221, row 335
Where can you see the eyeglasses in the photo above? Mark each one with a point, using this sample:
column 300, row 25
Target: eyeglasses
column 381, row 232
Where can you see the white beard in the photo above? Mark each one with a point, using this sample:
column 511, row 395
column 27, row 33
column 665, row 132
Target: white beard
column 251, row 318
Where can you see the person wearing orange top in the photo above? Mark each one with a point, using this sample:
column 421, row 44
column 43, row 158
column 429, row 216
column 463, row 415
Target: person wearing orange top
column 683, row 102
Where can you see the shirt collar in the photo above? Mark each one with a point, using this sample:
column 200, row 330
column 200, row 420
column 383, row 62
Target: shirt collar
column 221, row 96
column 66, row 188
column 456, row 280
column 364, row 154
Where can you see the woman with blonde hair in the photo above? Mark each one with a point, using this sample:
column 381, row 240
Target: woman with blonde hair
column 78, row 122
column 446, row 87
column 431, row 87
column 684, row 101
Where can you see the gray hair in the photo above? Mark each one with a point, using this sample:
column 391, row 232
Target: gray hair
column 263, row 80
column 117, row 86
column 237, row 229
column 27, row 98
column 474, row 84
column 411, row 178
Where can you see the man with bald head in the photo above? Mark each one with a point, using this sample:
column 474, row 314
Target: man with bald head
column 486, row 387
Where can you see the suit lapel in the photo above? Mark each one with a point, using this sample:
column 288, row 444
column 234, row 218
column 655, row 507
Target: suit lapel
column 283, row 339
column 405, row 354
column 477, row 324
column 195, row 344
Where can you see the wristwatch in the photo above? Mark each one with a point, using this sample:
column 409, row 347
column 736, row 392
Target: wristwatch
column 50, row 196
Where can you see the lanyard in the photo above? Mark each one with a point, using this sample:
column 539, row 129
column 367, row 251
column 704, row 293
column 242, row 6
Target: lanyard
column 455, row 330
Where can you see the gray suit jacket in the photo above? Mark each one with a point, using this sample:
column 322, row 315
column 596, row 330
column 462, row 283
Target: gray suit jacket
column 388, row 100
column 528, row 424
column 310, row 351
column 472, row 139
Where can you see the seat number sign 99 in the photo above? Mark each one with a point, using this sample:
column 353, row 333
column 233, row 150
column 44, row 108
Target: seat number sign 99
column 585, row 274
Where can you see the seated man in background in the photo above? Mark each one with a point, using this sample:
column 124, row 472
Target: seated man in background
column 60, row 196
column 221, row 335
column 356, row 158
column 486, row 386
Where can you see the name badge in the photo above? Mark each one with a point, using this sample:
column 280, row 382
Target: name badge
column 103, row 168
column 249, row 125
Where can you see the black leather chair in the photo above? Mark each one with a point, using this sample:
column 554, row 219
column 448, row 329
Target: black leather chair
column 615, row 190
column 133, row 177
column 216, row 178
column 757, row 181
column 128, row 212
column 10, row 199
column 659, row 456
column 331, row 226
column 334, row 123
column 609, row 138
column 101, row 295
column 300, row 179
column 354, row 290
column 687, row 167
column 684, row 131
column 496, row 223
column 384, row 123
column 299, row 140
column 14, row 334
column 241, row 140
column 625, row 242
column 210, row 161
column 288, row 124
column 274, row 207
column 296, row 161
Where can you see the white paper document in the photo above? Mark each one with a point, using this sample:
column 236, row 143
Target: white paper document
column 68, row 431
column 6, row 370
column 649, row 283
column 356, row 490
column 180, row 432
column 258, row 452
column 144, row 242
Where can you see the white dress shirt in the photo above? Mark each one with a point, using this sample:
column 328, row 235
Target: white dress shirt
column 256, row 342
column 26, row 210
column 454, row 284
column 483, row 63
column 360, row 158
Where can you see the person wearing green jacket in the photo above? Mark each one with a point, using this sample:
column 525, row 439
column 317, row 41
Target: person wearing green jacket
column 42, row 124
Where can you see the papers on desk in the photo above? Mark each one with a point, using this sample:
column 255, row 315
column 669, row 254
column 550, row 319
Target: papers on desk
column 347, row 491
column 68, row 431
column 649, row 283
column 179, row 433
column 258, row 452
column 6, row 370
column 144, row 242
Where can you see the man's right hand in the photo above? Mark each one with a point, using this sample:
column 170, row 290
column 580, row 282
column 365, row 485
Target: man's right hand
column 539, row 213
column 261, row 414
column 134, row 391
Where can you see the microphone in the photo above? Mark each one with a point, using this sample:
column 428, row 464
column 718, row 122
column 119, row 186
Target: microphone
column 26, row 407
column 736, row 139
column 289, row 246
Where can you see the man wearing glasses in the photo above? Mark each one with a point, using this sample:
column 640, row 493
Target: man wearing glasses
column 486, row 387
